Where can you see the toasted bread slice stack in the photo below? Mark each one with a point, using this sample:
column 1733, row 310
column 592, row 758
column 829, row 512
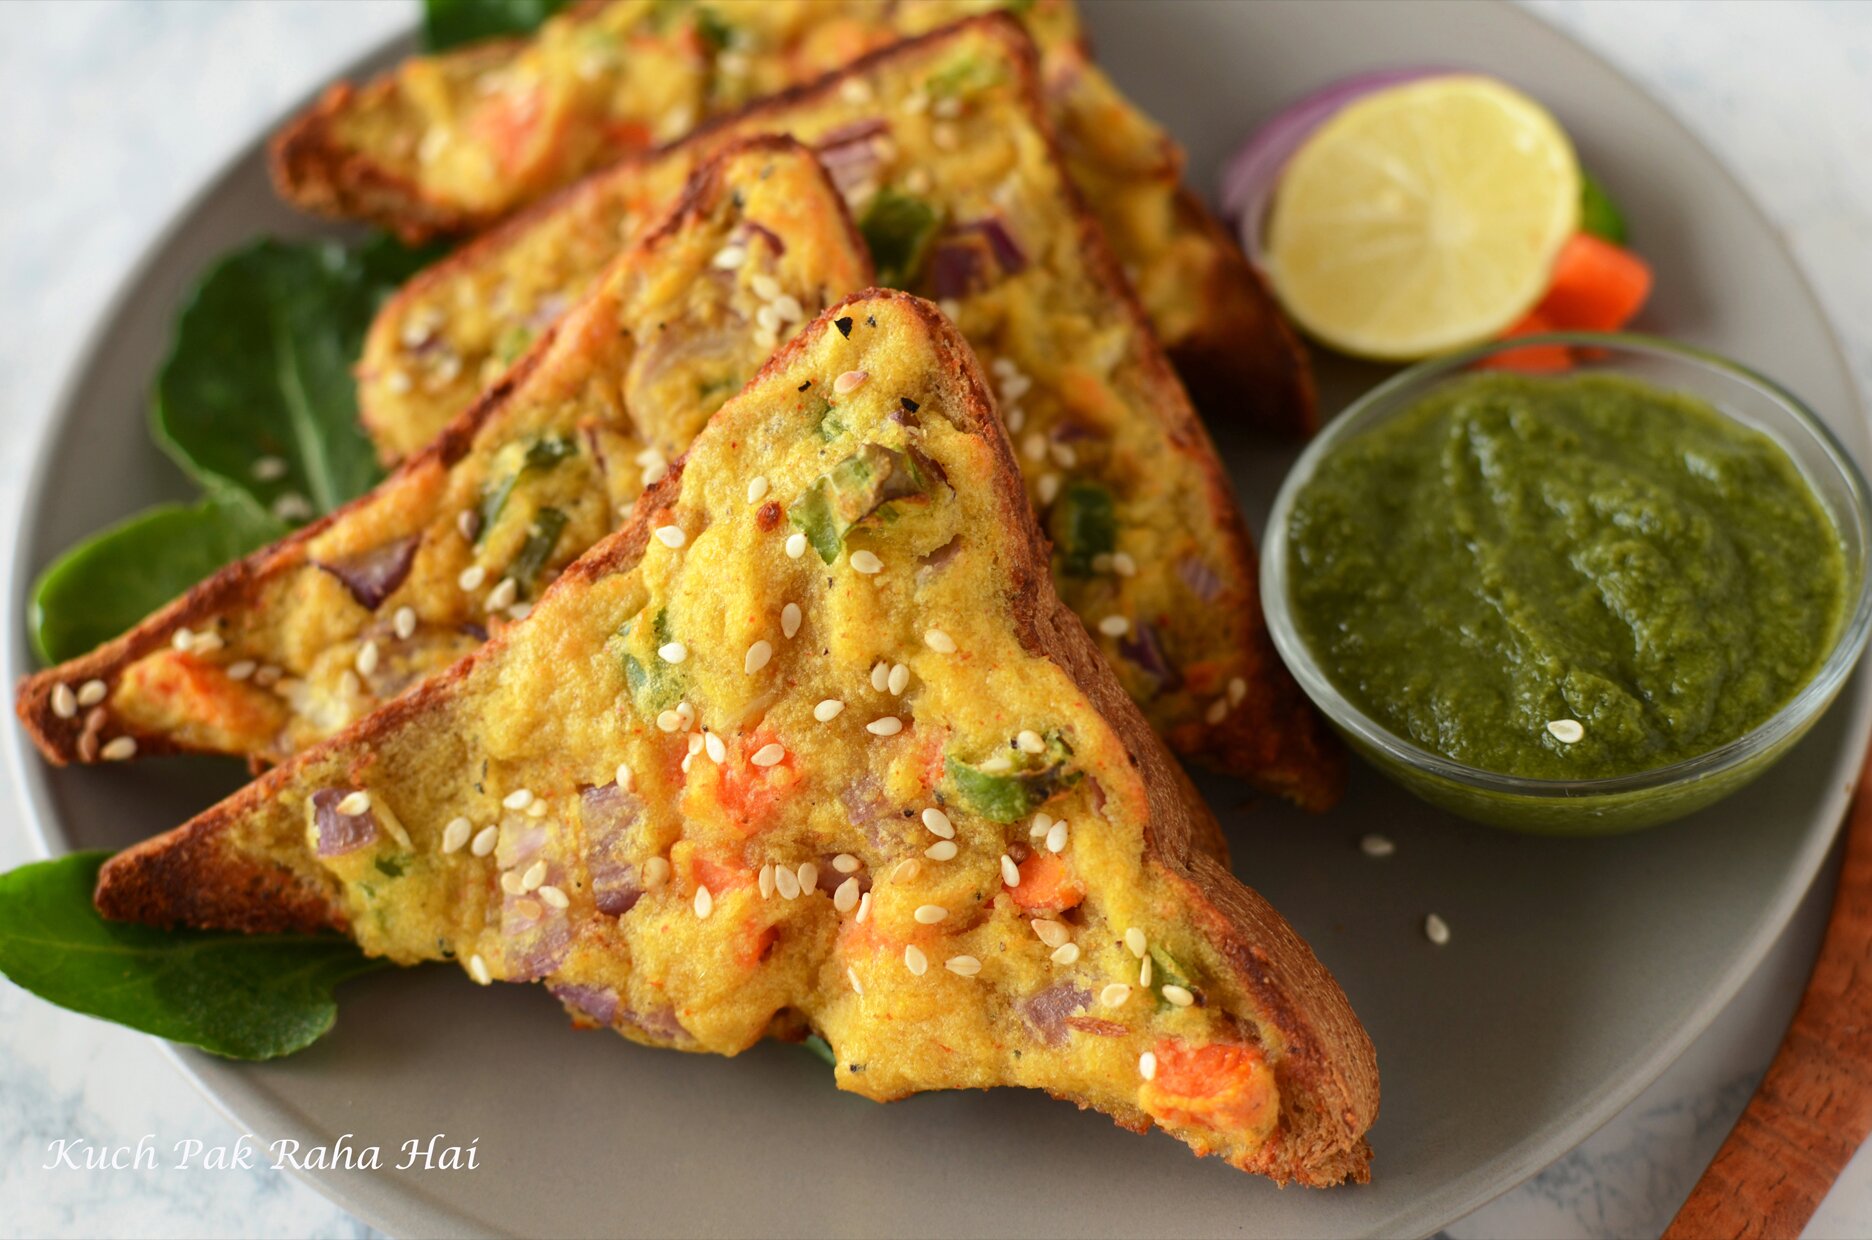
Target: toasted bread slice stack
column 456, row 142
column 969, row 203
column 710, row 791
column 291, row 644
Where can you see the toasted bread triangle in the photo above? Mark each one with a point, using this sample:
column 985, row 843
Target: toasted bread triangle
column 1151, row 550
column 366, row 151
column 884, row 787
column 287, row 646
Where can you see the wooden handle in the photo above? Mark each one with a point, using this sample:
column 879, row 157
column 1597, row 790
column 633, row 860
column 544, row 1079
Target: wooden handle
column 1814, row 1107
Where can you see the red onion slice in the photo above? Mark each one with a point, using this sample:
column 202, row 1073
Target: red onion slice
column 600, row 1003
column 374, row 575
column 1251, row 177
column 1048, row 1010
column 340, row 833
column 609, row 815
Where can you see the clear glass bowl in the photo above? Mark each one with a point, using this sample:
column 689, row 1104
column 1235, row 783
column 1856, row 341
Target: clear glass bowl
column 1625, row 802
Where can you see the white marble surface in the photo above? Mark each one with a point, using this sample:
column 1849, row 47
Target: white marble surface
column 115, row 112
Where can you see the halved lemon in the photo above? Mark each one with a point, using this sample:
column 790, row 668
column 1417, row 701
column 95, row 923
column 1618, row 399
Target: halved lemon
column 1423, row 218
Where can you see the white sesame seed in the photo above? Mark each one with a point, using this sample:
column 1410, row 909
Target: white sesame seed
column 855, row 91
column 367, row 658
column 623, row 776
column 91, row 692
column 120, row 750
column 672, row 652
column 938, row 823
column 765, row 286
column 1177, row 996
column 915, row 960
column 1147, row 1065
column 1066, row 953
column 471, row 577
column 398, row 381
column 756, row 488
column 947, row 108
column 845, row 863
column 536, row 810
column 941, row 850
column 1048, row 489
column 1064, row 456
column 808, row 873
column 519, row 798
column 997, row 762
column 1050, row 932
column 729, row 257
column 1376, row 845
column 656, row 873
column 1115, row 995
column 1217, row 712
column 849, row 381
column 889, row 725
column 789, row 620
column 1114, row 626
column 465, row 522
column 1042, row 823
column 851, row 975
column 695, row 744
column 899, row 680
column 939, row 641
column 907, row 870
column 866, row 562
column 208, row 643
column 930, row 914
column 655, row 472
column 266, row 676
column 1010, row 873
column 717, row 752
column 828, row 710
column 916, row 102
column 1436, row 930
column 963, row 966
column 1034, row 446
column 768, row 317
column 269, row 469
column 553, row 896
column 182, row 639
column 671, row 536
column 503, row 595
column 456, row 834
column 945, row 136
column 477, row 969
column 1566, row 731
column 292, row 507
column 348, row 684
column 485, row 841
column 795, row 546
column 1016, row 418
column 1144, row 973
column 757, row 656
column 534, row 876
column 1056, row 837
column 880, row 676
column 64, row 701
column 511, row 884
column 789, row 308
column 1237, row 690
column 669, row 720
column 1030, row 742
column 845, row 899
column 768, row 754
column 404, row 622
column 767, row 881
column 864, row 907
column 1123, row 564
column 354, row 804
column 1134, row 939
column 686, row 713
column 704, row 903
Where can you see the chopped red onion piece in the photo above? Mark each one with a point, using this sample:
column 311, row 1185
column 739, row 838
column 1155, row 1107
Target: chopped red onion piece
column 754, row 229
column 957, row 269
column 340, row 833
column 598, row 1002
column 609, row 815
column 547, row 311
column 1047, row 1010
column 1144, row 647
column 1200, row 578
column 373, row 576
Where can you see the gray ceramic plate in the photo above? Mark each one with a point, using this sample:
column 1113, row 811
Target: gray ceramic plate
column 1578, row 970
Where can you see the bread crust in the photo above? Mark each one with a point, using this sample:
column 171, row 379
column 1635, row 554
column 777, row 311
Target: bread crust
column 201, row 875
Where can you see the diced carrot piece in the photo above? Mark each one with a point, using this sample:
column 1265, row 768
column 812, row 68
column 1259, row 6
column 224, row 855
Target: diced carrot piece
column 506, row 122
column 1536, row 359
column 1225, row 1086
column 1046, row 883
column 628, row 136
column 1596, row 287
column 752, row 795
column 719, row 876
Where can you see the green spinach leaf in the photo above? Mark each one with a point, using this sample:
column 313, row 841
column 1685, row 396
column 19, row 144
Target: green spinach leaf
column 898, row 229
column 448, row 23
column 256, row 394
column 110, row 581
column 243, row 996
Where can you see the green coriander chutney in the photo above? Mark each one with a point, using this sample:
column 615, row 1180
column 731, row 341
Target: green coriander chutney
column 1511, row 552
